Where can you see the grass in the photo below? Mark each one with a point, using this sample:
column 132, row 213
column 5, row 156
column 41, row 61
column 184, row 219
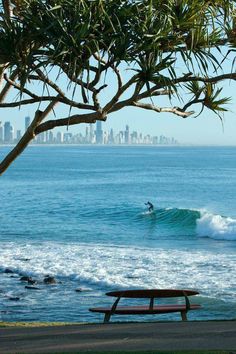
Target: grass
column 36, row 324
column 160, row 352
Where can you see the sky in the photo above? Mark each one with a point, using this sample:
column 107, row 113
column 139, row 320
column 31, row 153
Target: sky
column 206, row 129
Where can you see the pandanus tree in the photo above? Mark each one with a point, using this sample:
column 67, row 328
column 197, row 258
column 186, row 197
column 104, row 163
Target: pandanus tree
column 155, row 49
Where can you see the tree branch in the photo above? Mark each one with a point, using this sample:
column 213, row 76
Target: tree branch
column 26, row 138
column 120, row 92
column 213, row 80
column 27, row 101
column 189, row 104
column 174, row 110
column 7, row 86
column 71, row 120
column 45, row 79
column 64, row 100
column 20, row 88
column 132, row 99
column 73, row 78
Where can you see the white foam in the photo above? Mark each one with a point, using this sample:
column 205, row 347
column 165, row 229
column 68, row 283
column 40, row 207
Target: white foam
column 216, row 227
column 147, row 212
column 103, row 266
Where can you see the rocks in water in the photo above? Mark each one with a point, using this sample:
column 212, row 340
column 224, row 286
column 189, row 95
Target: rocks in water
column 8, row 271
column 14, row 298
column 25, row 278
column 78, row 290
column 24, row 259
column 31, row 287
column 49, row 280
column 28, row 279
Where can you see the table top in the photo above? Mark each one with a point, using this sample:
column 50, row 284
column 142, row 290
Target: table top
column 152, row 293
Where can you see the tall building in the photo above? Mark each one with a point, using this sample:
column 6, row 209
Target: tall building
column 127, row 134
column 1, row 133
column 67, row 138
column 47, row 136
column 59, row 138
column 99, row 132
column 91, row 133
column 87, row 135
column 111, row 139
column 134, row 138
column 121, row 137
column 50, row 137
column 40, row 138
column 8, row 132
column 27, row 123
column 18, row 135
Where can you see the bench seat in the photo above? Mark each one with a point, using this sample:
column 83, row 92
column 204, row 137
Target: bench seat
column 144, row 310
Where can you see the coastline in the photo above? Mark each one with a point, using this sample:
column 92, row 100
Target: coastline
column 127, row 145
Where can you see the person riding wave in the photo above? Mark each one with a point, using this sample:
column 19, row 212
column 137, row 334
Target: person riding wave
column 150, row 206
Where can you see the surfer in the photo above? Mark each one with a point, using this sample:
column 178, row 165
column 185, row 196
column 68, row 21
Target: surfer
column 150, row 206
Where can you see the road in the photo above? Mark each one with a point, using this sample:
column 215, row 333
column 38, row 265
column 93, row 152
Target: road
column 219, row 335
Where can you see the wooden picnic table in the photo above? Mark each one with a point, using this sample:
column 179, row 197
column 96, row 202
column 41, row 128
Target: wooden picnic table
column 151, row 308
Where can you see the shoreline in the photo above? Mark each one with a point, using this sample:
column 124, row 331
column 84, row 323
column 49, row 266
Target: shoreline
column 126, row 145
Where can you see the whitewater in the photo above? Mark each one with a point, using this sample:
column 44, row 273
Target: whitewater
column 78, row 214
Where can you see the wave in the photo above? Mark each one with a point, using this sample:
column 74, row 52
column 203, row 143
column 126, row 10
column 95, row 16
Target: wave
column 216, row 226
column 204, row 223
column 175, row 216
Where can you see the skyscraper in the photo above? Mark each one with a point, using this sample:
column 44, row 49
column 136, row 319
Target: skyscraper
column 87, row 135
column 8, row 132
column 91, row 133
column 18, row 135
column 111, row 139
column 127, row 134
column 59, row 137
column 27, row 123
column 99, row 133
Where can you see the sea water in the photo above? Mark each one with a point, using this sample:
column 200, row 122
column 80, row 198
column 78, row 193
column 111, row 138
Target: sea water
column 77, row 213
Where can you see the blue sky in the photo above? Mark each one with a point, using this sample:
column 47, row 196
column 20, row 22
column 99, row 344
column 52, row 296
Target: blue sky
column 205, row 129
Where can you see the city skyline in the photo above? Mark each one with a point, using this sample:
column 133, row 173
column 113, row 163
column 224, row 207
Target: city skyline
column 94, row 134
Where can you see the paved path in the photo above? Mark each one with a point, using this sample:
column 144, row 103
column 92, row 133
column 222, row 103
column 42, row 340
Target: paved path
column 120, row 337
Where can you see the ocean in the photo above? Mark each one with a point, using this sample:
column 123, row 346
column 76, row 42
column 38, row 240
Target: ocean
column 78, row 214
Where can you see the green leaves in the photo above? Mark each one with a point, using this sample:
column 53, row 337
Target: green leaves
column 209, row 95
column 212, row 98
column 160, row 39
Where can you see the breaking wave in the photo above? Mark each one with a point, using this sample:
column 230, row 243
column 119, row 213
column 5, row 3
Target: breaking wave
column 205, row 223
column 217, row 227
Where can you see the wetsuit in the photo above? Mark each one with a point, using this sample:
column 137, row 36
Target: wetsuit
column 150, row 206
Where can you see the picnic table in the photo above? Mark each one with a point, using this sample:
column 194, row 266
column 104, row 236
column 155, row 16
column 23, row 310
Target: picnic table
column 151, row 307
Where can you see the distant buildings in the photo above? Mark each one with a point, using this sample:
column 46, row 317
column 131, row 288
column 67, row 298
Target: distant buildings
column 8, row 132
column 27, row 123
column 99, row 133
column 94, row 134
column 127, row 134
